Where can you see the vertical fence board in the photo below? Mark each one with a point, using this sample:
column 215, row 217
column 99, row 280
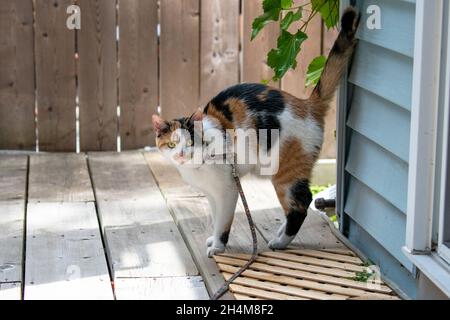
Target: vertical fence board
column 254, row 67
column 138, row 78
column 55, row 76
column 179, row 54
column 329, row 144
column 294, row 80
column 219, row 47
column 17, row 127
column 97, row 74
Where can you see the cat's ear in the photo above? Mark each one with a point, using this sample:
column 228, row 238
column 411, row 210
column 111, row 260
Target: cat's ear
column 159, row 124
column 198, row 115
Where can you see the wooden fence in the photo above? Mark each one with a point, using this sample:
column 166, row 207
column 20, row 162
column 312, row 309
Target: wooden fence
column 130, row 59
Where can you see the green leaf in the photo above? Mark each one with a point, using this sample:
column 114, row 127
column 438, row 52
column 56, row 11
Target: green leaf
column 272, row 9
column 283, row 57
column 315, row 70
column 264, row 19
column 286, row 4
column 329, row 10
column 290, row 18
column 269, row 5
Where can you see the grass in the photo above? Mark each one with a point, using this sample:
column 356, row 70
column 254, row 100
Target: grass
column 315, row 189
column 365, row 275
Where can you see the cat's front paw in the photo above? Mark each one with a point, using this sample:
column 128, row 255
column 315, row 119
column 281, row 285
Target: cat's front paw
column 280, row 242
column 282, row 229
column 210, row 241
column 213, row 250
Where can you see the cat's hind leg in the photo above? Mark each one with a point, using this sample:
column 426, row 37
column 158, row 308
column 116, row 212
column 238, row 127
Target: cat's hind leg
column 291, row 183
column 298, row 200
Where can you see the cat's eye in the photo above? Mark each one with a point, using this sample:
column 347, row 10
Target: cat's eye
column 189, row 143
column 171, row 144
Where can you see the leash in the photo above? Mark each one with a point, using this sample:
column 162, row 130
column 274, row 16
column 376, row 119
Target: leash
column 251, row 224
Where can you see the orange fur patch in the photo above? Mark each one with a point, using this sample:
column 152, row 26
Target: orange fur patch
column 295, row 164
column 224, row 122
column 239, row 110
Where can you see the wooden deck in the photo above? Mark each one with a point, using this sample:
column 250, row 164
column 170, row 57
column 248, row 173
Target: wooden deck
column 120, row 226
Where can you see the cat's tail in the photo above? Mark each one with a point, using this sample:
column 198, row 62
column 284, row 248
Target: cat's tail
column 338, row 58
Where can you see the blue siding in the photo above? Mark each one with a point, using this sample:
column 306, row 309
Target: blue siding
column 384, row 72
column 381, row 171
column 395, row 15
column 377, row 139
column 385, row 223
column 381, row 121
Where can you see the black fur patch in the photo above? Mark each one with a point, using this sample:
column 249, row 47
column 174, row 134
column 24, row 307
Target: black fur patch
column 187, row 124
column 294, row 221
column 267, row 121
column 301, row 194
column 263, row 103
column 250, row 94
column 224, row 237
column 301, row 199
column 205, row 110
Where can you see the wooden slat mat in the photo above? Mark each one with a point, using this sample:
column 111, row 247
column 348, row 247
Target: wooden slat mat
column 301, row 274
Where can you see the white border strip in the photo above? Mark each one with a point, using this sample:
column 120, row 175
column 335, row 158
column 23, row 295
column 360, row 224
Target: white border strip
column 423, row 125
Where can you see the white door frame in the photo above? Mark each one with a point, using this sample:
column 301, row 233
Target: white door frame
column 427, row 77
column 424, row 110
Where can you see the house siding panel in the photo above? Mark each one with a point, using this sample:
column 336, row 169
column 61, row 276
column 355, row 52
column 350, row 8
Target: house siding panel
column 377, row 128
column 397, row 19
column 384, row 72
column 381, row 121
column 378, row 169
column 385, row 223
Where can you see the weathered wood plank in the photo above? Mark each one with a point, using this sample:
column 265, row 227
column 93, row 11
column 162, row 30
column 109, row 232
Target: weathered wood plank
column 258, row 293
column 10, row 291
column 97, row 75
column 313, row 261
column 168, row 178
column 13, row 184
column 298, row 274
column 180, row 57
column 65, row 258
column 138, row 78
column 17, row 126
column 55, row 76
column 326, row 255
column 13, row 177
column 12, row 217
column 296, row 266
column 142, row 238
column 59, row 177
column 290, row 281
column 219, row 47
column 285, row 289
column 254, row 67
column 167, row 288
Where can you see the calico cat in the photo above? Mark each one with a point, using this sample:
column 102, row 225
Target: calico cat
column 300, row 124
